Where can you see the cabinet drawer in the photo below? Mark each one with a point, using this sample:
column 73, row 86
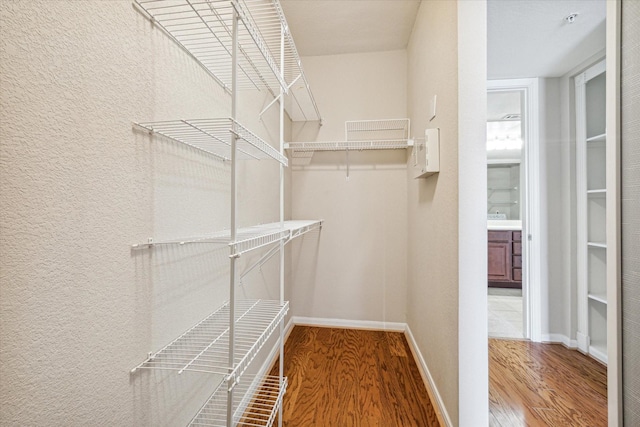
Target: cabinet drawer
column 517, row 275
column 517, row 236
column 517, row 248
column 517, row 261
column 499, row 236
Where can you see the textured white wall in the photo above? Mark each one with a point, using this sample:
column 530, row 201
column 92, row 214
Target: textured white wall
column 356, row 270
column 78, row 308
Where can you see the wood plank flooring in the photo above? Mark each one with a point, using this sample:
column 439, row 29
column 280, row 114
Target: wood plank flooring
column 533, row 384
column 353, row 378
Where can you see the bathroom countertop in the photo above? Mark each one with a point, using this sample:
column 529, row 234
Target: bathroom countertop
column 504, row 224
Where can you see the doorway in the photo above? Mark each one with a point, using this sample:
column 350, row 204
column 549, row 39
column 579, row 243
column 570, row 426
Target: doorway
column 512, row 214
column 505, row 197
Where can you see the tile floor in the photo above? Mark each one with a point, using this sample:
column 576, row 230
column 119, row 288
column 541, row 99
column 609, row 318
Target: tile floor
column 505, row 313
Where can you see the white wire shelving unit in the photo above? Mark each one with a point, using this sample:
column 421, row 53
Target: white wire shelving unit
column 242, row 44
column 204, row 29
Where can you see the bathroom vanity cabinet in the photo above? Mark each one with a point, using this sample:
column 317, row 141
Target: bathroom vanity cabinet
column 505, row 258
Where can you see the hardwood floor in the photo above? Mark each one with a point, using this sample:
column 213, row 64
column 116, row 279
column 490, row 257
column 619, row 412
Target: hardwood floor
column 532, row 384
column 353, row 378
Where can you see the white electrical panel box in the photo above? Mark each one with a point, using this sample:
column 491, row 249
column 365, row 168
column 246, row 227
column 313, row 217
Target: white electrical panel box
column 425, row 157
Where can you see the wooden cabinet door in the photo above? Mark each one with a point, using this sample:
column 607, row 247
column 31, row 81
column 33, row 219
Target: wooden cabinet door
column 499, row 265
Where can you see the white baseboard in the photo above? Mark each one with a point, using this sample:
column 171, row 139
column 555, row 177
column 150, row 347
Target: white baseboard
column 560, row 338
column 434, row 395
column 598, row 354
column 583, row 341
column 352, row 324
column 288, row 327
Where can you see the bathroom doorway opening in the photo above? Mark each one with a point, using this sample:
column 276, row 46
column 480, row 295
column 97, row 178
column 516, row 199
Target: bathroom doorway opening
column 513, row 213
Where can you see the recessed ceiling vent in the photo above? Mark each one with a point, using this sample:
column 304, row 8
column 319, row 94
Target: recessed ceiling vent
column 511, row 117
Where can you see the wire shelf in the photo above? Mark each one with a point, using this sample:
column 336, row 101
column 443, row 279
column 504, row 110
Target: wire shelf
column 348, row 145
column 391, row 134
column 247, row 239
column 203, row 28
column 263, row 398
column 205, row 347
column 214, row 137
column 269, row 18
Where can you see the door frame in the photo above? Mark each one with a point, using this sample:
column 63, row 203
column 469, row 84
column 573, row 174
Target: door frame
column 533, row 281
column 614, row 256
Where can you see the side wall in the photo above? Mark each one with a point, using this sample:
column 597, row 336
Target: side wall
column 553, row 191
column 445, row 59
column 356, row 269
column 432, row 293
column 561, row 207
column 79, row 185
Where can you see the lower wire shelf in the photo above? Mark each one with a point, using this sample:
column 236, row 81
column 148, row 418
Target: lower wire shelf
column 255, row 403
column 205, row 347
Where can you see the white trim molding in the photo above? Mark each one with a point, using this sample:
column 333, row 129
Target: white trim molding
column 614, row 282
column 434, row 395
column 560, row 339
column 350, row 324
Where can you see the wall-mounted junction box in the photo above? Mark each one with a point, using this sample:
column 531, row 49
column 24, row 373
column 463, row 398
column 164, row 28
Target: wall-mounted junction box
column 425, row 157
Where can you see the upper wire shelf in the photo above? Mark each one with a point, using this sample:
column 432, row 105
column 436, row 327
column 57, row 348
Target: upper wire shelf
column 204, row 29
column 263, row 398
column 388, row 134
column 248, row 238
column 348, row 145
column 205, row 347
column 214, row 137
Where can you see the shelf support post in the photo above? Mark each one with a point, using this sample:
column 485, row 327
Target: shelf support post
column 234, row 195
column 281, row 127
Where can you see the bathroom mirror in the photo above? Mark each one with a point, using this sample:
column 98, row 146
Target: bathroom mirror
column 504, row 156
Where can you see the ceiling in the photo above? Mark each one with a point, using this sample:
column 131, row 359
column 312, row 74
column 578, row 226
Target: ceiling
column 525, row 38
column 329, row 27
column 532, row 39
